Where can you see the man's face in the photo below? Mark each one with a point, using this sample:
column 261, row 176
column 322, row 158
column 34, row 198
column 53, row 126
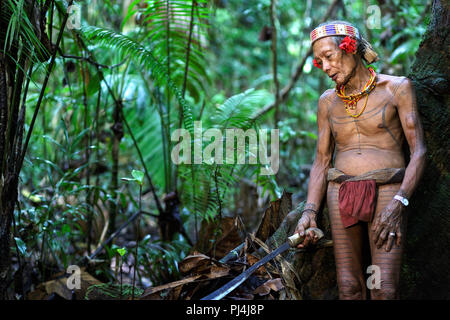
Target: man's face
column 337, row 64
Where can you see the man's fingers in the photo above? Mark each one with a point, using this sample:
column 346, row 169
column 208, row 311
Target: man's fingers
column 379, row 228
column 382, row 237
column 389, row 243
column 398, row 239
column 376, row 235
column 314, row 237
column 307, row 240
column 375, row 225
column 300, row 230
column 309, row 236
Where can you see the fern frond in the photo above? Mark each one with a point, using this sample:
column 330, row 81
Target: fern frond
column 143, row 57
column 20, row 27
column 236, row 111
column 175, row 31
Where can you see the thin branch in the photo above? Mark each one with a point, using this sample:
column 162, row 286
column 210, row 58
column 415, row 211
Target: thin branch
column 158, row 204
column 99, row 65
column 167, row 128
column 298, row 71
column 188, row 52
column 21, row 121
column 112, row 236
column 273, row 19
column 424, row 14
column 186, row 70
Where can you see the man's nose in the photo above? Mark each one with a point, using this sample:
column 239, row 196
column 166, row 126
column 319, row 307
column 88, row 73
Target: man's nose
column 325, row 66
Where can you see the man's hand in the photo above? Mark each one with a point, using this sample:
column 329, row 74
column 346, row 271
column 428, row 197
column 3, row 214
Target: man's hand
column 388, row 222
column 308, row 220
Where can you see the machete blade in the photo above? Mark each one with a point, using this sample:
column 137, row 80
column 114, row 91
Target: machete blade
column 293, row 241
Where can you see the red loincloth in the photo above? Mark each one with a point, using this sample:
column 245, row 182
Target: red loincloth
column 357, row 201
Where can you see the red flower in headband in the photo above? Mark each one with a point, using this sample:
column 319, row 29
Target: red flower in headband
column 316, row 64
column 348, row 45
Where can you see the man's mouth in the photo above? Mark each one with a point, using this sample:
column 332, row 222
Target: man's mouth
column 333, row 76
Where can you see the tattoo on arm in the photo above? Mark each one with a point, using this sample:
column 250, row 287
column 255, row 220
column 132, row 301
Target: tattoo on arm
column 309, row 206
column 412, row 128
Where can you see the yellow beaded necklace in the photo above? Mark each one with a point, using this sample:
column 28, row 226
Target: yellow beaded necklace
column 351, row 100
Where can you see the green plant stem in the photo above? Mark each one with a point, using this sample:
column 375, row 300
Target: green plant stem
column 186, row 71
column 168, row 147
column 273, row 19
column 152, row 188
column 136, row 257
column 121, row 272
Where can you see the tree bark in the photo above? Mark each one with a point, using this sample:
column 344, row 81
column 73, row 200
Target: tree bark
column 11, row 126
column 426, row 261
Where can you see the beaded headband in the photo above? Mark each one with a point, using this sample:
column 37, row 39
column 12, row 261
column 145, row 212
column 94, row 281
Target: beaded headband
column 333, row 30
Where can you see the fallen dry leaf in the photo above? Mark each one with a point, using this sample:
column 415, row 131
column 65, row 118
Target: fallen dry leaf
column 251, row 260
column 218, row 271
column 227, row 239
column 150, row 291
column 59, row 287
column 274, row 216
column 193, row 263
column 264, row 289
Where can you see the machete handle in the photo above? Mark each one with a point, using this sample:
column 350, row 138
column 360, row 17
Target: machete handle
column 295, row 239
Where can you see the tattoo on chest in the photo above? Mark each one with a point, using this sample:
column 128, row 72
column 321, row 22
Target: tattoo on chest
column 369, row 116
column 345, row 119
column 385, row 126
column 359, row 137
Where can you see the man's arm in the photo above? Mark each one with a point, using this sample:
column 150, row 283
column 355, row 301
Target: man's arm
column 389, row 221
column 412, row 128
column 324, row 152
column 318, row 176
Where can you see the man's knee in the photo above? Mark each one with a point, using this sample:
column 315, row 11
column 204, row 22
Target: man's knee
column 350, row 289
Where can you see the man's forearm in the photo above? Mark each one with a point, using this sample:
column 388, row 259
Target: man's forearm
column 413, row 173
column 317, row 184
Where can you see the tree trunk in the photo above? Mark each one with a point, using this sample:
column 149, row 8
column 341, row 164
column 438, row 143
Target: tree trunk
column 427, row 257
column 13, row 68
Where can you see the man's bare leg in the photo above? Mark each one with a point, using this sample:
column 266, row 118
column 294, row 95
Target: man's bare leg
column 389, row 262
column 347, row 250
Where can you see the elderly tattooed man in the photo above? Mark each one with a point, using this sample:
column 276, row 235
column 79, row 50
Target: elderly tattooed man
column 362, row 124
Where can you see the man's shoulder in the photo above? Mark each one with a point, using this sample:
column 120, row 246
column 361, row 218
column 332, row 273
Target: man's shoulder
column 327, row 96
column 392, row 82
column 325, row 100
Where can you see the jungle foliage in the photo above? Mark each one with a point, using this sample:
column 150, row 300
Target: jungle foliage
column 128, row 76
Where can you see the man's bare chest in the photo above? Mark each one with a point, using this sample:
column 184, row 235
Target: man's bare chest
column 373, row 118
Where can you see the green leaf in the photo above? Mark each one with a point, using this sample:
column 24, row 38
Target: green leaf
column 139, row 176
column 65, row 229
column 94, row 85
column 121, row 251
column 309, row 134
column 21, row 246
